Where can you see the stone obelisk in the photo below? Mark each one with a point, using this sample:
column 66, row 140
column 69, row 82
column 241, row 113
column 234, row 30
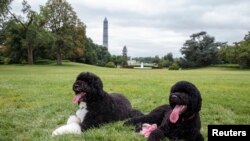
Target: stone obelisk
column 105, row 33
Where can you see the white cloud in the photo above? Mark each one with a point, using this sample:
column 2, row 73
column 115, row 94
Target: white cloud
column 144, row 7
column 228, row 17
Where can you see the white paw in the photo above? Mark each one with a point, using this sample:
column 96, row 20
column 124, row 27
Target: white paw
column 73, row 119
column 72, row 128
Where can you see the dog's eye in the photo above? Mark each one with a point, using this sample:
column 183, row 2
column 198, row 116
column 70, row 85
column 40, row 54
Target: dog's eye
column 76, row 86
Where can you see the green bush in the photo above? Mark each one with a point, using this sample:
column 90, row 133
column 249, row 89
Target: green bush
column 1, row 60
column 110, row 65
column 6, row 61
column 23, row 62
column 44, row 61
column 174, row 66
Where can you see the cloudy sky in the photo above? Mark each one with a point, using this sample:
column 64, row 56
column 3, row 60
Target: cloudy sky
column 157, row 27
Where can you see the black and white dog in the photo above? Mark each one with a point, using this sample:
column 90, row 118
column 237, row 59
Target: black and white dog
column 96, row 106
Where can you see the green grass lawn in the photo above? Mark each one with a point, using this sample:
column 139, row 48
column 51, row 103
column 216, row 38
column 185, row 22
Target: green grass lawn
column 34, row 100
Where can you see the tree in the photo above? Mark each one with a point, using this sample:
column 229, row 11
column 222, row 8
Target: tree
column 24, row 32
column 156, row 60
column 28, row 29
column 90, row 56
column 16, row 42
column 243, row 53
column 228, row 54
column 119, row 60
column 169, row 57
column 200, row 50
column 103, row 56
column 4, row 6
column 61, row 19
column 79, row 36
column 95, row 54
column 166, row 60
column 13, row 34
column 238, row 53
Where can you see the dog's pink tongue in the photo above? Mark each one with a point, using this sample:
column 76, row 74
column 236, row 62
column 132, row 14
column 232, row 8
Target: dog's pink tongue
column 77, row 97
column 174, row 116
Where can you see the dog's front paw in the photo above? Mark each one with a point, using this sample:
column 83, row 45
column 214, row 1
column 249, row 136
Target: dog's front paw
column 73, row 119
column 138, row 127
column 56, row 132
column 59, row 131
column 72, row 128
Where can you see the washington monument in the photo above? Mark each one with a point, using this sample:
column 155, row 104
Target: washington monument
column 105, row 33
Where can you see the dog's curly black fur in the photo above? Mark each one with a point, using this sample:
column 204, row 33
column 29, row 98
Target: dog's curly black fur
column 186, row 126
column 101, row 106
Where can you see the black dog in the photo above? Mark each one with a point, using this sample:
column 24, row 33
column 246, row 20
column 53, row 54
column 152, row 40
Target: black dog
column 96, row 106
column 180, row 119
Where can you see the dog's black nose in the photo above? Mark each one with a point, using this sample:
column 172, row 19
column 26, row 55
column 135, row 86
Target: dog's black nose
column 173, row 97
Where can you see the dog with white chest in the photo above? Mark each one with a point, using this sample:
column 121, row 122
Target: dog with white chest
column 96, row 106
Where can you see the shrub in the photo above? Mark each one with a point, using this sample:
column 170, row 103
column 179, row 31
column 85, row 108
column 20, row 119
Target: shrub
column 110, row 65
column 1, row 60
column 23, row 62
column 6, row 61
column 174, row 66
column 44, row 61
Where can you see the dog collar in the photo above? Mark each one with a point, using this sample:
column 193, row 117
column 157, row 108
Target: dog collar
column 191, row 117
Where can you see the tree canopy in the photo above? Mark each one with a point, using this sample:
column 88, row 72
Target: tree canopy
column 238, row 53
column 4, row 8
column 41, row 35
column 200, row 50
column 60, row 19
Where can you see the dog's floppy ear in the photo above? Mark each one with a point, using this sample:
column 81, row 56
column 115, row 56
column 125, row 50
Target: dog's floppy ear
column 196, row 97
column 96, row 87
column 97, row 83
column 196, row 100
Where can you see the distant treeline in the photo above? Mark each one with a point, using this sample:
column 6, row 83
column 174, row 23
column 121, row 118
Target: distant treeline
column 202, row 50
